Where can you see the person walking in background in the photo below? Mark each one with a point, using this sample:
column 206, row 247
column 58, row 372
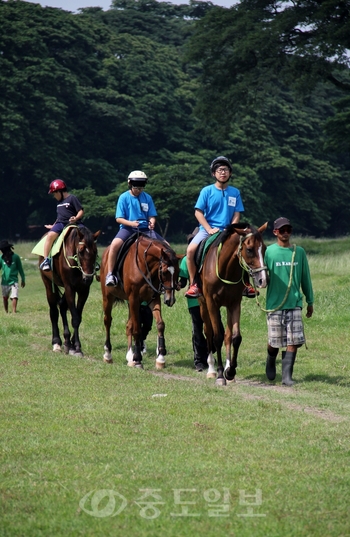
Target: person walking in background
column 135, row 212
column 69, row 211
column 11, row 266
column 289, row 279
column 218, row 205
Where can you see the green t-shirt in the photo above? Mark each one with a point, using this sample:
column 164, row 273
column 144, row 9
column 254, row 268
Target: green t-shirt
column 10, row 273
column 278, row 261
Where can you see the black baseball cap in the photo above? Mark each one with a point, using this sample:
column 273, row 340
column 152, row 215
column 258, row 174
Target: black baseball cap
column 280, row 222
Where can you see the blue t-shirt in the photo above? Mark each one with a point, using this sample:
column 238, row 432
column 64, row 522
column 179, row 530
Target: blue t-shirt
column 135, row 208
column 219, row 206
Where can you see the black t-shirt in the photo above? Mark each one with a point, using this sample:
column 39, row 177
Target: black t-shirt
column 68, row 207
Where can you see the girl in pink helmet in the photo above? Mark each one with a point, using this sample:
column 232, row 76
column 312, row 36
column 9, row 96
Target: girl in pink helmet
column 69, row 211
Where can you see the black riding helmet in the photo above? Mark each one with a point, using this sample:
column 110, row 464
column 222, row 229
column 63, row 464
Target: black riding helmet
column 219, row 161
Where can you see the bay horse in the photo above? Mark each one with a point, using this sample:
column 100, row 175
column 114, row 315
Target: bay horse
column 238, row 249
column 150, row 269
column 73, row 269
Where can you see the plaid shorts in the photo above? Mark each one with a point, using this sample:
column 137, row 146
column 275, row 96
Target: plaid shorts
column 10, row 291
column 285, row 327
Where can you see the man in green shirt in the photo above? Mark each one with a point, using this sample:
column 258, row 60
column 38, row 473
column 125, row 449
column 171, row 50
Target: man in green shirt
column 289, row 279
column 10, row 265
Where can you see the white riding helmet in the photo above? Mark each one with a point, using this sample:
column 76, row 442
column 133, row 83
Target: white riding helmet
column 137, row 178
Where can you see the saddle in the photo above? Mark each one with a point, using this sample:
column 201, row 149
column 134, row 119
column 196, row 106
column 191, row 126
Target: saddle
column 119, row 262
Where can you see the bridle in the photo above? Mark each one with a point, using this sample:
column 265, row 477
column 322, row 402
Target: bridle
column 148, row 276
column 242, row 262
column 76, row 258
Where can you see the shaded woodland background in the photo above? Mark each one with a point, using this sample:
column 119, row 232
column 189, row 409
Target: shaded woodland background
column 165, row 88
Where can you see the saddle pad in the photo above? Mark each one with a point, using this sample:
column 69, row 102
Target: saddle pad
column 203, row 247
column 39, row 248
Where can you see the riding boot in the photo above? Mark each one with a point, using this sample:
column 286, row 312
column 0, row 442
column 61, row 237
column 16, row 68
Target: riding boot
column 287, row 368
column 271, row 366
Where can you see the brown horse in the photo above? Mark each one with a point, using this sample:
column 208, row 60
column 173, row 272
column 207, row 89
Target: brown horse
column 150, row 269
column 73, row 269
column 238, row 249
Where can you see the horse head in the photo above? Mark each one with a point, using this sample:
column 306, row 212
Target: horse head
column 168, row 275
column 86, row 252
column 251, row 252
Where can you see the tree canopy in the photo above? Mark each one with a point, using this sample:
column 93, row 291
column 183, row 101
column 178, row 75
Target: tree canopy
column 165, row 88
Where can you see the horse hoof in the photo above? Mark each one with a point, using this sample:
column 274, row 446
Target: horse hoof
column 72, row 352
column 66, row 349
column 229, row 378
column 160, row 365
column 57, row 348
column 132, row 363
column 107, row 360
column 220, row 381
column 211, row 375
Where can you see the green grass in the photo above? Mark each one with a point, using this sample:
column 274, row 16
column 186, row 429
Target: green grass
column 76, row 427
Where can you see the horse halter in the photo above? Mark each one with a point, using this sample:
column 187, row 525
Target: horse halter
column 147, row 277
column 242, row 261
column 76, row 258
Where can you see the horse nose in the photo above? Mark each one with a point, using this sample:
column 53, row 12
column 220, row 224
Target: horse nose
column 263, row 280
column 169, row 301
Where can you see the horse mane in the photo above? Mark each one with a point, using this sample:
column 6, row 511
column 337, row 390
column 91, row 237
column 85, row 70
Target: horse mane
column 88, row 235
column 165, row 245
column 229, row 230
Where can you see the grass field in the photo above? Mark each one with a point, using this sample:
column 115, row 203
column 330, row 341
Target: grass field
column 90, row 449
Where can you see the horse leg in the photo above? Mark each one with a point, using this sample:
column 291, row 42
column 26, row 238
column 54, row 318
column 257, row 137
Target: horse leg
column 83, row 295
column 52, row 296
column 107, row 320
column 133, row 331
column 76, row 319
column 66, row 332
column 208, row 331
column 56, row 338
column 161, row 349
column 232, row 337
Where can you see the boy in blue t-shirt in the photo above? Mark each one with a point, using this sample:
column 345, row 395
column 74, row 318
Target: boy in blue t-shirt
column 218, row 206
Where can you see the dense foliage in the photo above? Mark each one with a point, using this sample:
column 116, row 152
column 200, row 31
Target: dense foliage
column 165, row 88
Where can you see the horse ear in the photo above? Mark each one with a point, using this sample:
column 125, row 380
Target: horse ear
column 96, row 235
column 263, row 228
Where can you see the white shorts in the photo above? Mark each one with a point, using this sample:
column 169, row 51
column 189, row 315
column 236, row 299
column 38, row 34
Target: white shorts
column 285, row 327
column 10, row 291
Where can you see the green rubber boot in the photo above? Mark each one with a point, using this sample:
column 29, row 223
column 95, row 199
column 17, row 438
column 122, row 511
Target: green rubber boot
column 287, row 368
column 271, row 366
